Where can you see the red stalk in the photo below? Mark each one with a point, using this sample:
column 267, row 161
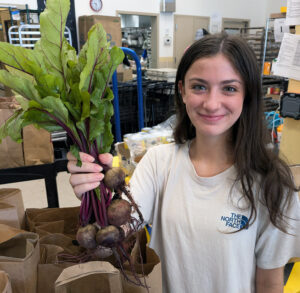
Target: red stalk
column 98, row 217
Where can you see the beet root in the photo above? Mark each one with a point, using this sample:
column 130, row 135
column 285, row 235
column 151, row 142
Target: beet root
column 109, row 236
column 86, row 236
column 114, row 178
column 119, row 212
column 102, row 252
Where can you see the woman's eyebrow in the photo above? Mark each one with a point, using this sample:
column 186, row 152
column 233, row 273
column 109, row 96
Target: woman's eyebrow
column 198, row 80
column 222, row 82
column 231, row 81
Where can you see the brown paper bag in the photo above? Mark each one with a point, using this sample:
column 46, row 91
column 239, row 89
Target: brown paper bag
column 9, row 215
column 19, row 257
column 152, row 271
column 63, row 241
column 53, row 220
column 48, row 274
column 92, row 277
column 48, row 269
column 11, row 152
column 5, row 285
column 38, row 148
column 13, row 197
column 151, row 268
column 8, row 232
column 296, row 174
column 46, row 228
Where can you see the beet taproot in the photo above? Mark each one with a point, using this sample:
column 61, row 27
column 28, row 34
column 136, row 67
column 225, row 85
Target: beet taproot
column 86, row 236
column 101, row 252
column 119, row 212
column 109, row 236
column 114, row 178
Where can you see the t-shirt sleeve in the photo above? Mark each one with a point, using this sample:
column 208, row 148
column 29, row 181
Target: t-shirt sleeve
column 275, row 248
column 143, row 185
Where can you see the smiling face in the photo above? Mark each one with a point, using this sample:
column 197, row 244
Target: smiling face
column 213, row 93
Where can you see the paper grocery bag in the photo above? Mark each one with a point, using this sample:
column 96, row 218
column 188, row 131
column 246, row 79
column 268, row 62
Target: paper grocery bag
column 296, row 174
column 92, row 277
column 63, row 241
column 53, row 220
column 5, row 286
column 13, row 197
column 19, row 257
column 49, row 269
column 38, row 148
column 9, row 215
column 48, row 274
column 152, row 271
column 8, row 232
column 149, row 271
column 11, row 152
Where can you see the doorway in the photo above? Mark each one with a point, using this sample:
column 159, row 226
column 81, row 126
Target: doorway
column 140, row 33
column 185, row 28
column 232, row 25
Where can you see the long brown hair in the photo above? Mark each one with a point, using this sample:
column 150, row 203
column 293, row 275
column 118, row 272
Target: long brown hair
column 249, row 134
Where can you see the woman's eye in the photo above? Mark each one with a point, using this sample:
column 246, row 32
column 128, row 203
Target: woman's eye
column 198, row 87
column 230, row 89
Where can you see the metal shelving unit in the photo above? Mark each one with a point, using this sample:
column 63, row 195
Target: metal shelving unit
column 271, row 48
column 254, row 37
column 262, row 41
column 138, row 39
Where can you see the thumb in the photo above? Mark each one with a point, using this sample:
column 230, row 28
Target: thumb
column 106, row 159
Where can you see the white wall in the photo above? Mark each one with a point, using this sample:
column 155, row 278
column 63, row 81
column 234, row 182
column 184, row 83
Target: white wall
column 166, row 24
column 32, row 4
column 273, row 6
column 110, row 7
column 255, row 10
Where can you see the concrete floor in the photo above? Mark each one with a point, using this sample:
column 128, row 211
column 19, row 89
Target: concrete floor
column 34, row 192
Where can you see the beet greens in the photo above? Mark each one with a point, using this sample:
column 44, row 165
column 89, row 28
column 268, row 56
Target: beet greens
column 59, row 90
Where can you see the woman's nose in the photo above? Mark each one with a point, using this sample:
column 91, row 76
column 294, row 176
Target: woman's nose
column 212, row 101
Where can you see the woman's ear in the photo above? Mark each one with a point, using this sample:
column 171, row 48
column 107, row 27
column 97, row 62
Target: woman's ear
column 181, row 90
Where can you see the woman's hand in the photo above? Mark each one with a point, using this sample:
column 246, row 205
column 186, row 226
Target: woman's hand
column 88, row 176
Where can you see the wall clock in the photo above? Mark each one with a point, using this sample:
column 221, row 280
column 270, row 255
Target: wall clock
column 96, row 5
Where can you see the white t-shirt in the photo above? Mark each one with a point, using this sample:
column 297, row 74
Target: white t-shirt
column 190, row 217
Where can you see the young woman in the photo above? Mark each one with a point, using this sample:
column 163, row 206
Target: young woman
column 224, row 208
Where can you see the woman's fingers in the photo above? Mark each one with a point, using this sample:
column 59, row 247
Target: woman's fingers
column 82, row 183
column 78, row 179
column 83, row 156
column 80, row 189
column 88, row 176
column 106, row 159
column 85, row 167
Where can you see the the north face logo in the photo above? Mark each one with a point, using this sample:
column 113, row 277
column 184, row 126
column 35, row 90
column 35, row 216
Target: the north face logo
column 237, row 221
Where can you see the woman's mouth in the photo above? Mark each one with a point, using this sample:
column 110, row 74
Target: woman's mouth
column 211, row 118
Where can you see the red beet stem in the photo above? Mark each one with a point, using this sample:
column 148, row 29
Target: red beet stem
column 95, row 209
column 87, row 205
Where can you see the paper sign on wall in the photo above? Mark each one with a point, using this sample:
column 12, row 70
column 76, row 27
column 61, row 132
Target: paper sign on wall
column 215, row 23
column 293, row 12
column 288, row 64
column 280, row 28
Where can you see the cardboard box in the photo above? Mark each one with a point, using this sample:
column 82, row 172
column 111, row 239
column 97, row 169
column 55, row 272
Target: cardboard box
column 277, row 15
column 124, row 157
column 296, row 173
column 124, row 74
column 111, row 24
column 4, row 18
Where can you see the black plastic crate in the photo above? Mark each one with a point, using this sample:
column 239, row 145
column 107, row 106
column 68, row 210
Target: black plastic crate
column 160, row 103
column 270, row 104
column 158, row 99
